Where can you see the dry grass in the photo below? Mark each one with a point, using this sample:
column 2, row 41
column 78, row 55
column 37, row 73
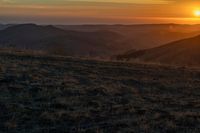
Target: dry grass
column 62, row 95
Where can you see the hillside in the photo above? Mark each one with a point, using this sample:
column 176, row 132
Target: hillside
column 4, row 26
column 183, row 52
column 42, row 94
column 145, row 35
column 57, row 41
column 1, row 26
column 102, row 41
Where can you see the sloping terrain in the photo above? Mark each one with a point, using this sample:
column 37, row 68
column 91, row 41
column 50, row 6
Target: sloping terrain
column 92, row 40
column 185, row 52
column 57, row 41
column 42, row 94
column 4, row 26
column 145, row 35
column 1, row 26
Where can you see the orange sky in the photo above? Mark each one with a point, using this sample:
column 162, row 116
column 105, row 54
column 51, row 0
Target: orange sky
column 99, row 11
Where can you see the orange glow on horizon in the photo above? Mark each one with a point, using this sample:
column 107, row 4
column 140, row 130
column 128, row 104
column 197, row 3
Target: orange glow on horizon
column 197, row 13
column 117, row 11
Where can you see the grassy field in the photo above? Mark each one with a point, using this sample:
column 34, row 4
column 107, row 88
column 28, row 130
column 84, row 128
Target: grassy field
column 69, row 95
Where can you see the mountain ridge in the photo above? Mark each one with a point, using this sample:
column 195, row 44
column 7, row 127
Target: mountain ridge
column 182, row 52
column 31, row 36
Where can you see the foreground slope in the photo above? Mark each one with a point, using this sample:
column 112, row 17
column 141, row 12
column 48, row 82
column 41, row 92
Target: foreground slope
column 183, row 52
column 42, row 94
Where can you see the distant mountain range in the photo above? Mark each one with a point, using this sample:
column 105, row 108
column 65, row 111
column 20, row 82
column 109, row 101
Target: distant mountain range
column 183, row 52
column 92, row 40
column 145, row 35
column 4, row 26
column 65, row 42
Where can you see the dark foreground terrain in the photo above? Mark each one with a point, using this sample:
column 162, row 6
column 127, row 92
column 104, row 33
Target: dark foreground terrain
column 63, row 95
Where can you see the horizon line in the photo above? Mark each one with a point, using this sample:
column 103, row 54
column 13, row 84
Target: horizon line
column 114, row 24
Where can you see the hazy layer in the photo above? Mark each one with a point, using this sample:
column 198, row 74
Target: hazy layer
column 98, row 11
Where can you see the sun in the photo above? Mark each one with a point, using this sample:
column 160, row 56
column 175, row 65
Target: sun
column 197, row 13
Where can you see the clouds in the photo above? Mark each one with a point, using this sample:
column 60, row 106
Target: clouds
column 96, row 10
column 6, row 1
column 83, row 1
column 113, row 1
column 67, row 2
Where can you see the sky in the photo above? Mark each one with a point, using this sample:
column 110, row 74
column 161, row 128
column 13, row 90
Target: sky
column 99, row 11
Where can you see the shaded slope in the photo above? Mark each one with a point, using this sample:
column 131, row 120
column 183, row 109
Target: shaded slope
column 183, row 52
column 55, row 40
column 4, row 26
column 144, row 36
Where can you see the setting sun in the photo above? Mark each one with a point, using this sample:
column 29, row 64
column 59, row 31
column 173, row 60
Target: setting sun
column 197, row 13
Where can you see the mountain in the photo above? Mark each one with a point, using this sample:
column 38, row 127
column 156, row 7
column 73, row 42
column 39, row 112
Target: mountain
column 65, row 42
column 1, row 26
column 183, row 52
column 143, row 36
column 4, row 26
column 92, row 40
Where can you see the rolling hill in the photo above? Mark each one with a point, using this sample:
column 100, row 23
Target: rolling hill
column 4, row 26
column 182, row 52
column 57, row 41
column 92, row 40
column 143, row 36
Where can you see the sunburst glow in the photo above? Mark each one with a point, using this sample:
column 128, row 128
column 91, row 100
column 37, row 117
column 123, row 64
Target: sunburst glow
column 197, row 13
column 100, row 11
